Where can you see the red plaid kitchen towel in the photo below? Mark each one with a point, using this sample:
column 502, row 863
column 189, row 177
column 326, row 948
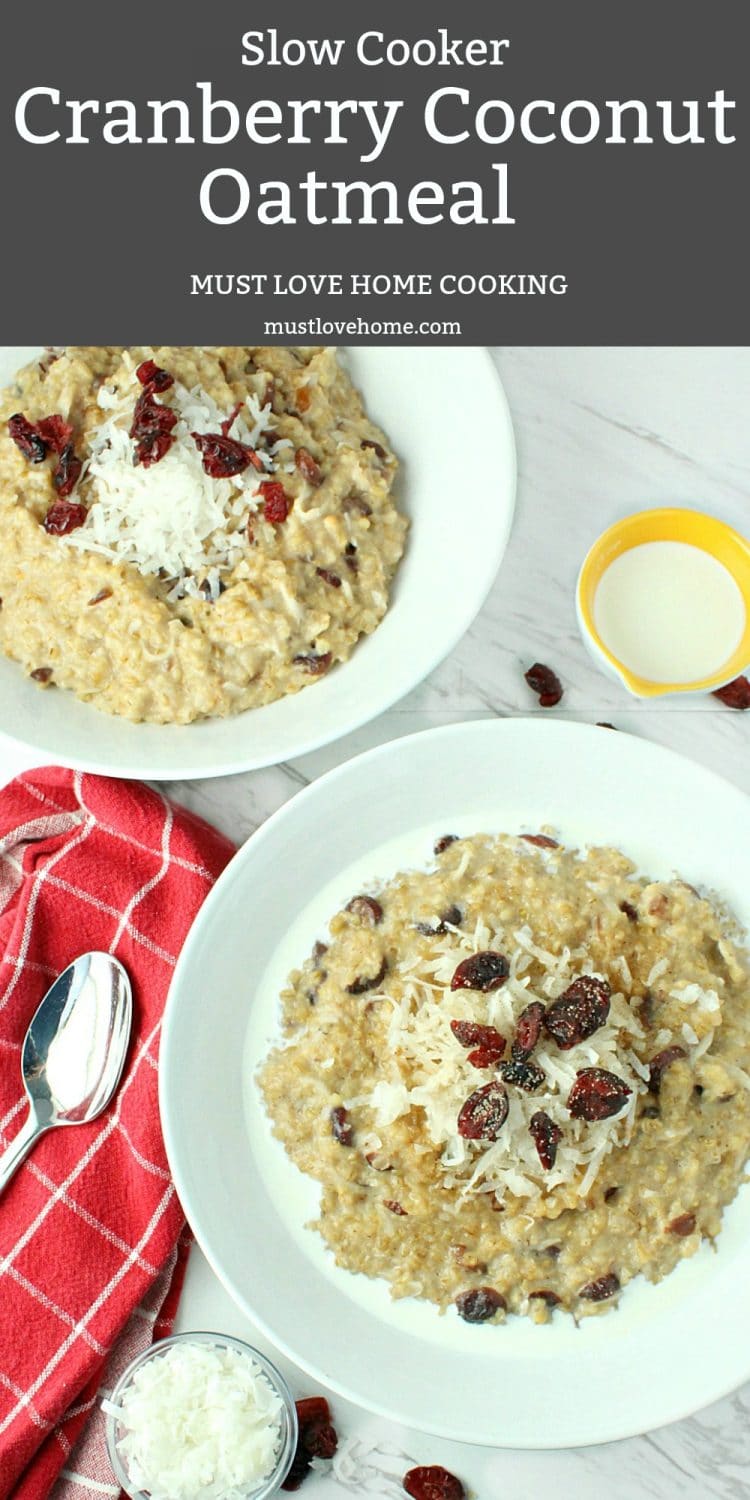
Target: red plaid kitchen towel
column 90, row 1227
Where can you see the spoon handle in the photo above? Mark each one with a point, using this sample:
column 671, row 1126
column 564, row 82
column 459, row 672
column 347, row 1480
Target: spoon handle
column 19, row 1148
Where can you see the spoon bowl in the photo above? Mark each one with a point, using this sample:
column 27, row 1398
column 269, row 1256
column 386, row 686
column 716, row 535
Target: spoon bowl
column 74, row 1051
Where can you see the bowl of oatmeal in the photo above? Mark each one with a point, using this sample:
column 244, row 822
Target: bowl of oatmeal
column 485, row 1081
column 218, row 558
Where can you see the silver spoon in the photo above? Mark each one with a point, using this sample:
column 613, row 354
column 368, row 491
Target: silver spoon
column 74, row 1051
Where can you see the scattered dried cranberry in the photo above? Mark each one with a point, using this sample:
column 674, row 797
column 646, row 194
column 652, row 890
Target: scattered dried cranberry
column 308, row 467
column 601, row 1289
column 311, row 663
column 683, row 1225
column 316, row 1438
column 64, row 516
column 151, row 429
column 581, row 1009
column 55, row 432
column 528, row 1030
column 367, row 908
column 544, row 1294
column 432, row 1482
column 378, row 448
column 223, row 456
column 629, row 910
column 27, row 439
column 321, row 1439
column 483, row 1057
column 597, row 1094
column 735, row 694
column 659, row 1064
column 41, row 674
column 479, row 1304
column 332, row 579
column 483, row 1115
column 312, row 1409
column 471, row 1034
column 395, row 1208
column 546, row 683
column 540, row 840
column 444, row 843
column 276, row 502
column 451, row 917
column 361, row 985
column 341, row 1128
column 522, row 1074
column 149, row 373
column 67, row 473
column 481, row 971
column 546, row 1136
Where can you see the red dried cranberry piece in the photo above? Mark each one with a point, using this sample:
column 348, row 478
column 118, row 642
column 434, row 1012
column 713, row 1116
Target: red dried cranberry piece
column 308, row 467
column 362, row 984
column 341, row 1128
column 659, row 1064
column 41, row 674
column 735, row 694
column 479, row 1304
column 149, row 373
column 629, row 911
column 27, row 439
column 581, row 1009
column 601, row 1289
column 223, row 456
column 540, row 840
column 67, row 473
column 378, row 448
column 522, row 1074
column 320, row 1439
column 395, row 1207
column 683, row 1225
column 276, row 502
column 55, row 432
column 433, row 1482
column 451, row 917
column 367, row 908
column 151, row 429
column 483, row 1115
column 483, row 1057
column 444, row 843
column 471, row 1034
column 298, row 1470
column 316, row 1438
column 64, row 516
column 546, row 683
column 597, row 1095
column 481, row 971
column 546, row 1136
column 312, row 1409
column 528, row 1030
column 544, row 1294
column 311, row 663
column 332, row 579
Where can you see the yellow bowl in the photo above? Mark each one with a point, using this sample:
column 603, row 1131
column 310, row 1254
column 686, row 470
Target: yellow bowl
column 665, row 525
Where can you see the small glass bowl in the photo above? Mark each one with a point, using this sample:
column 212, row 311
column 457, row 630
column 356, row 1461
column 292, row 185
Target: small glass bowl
column 115, row 1430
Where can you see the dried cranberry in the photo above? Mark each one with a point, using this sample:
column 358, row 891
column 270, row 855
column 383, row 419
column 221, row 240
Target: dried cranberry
column 150, row 374
column 312, row 1409
column 55, row 432
column 151, row 429
column 528, row 1030
column 308, row 467
column 332, row 579
column 451, row 917
column 276, row 502
column 601, row 1289
column 320, row 1439
column 629, row 911
column 315, row 665
column 597, row 1094
column 433, row 1482
column 483, row 1057
column 64, row 516
column 522, row 1074
column 683, row 1225
column 41, row 674
column 378, row 448
column 471, row 1034
column 540, row 840
column 481, row 971
column 361, row 985
column 316, row 1438
column 479, row 1304
column 544, row 1294
column 735, row 694
column 546, row 1136
column 483, row 1115
column 27, row 438
column 444, row 843
column 341, row 1128
column 581, row 1009
column 298, row 1469
column 659, row 1064
column 395, row 1207
column 223, row 456
column 228, row 423
column 546, row 683
column 67, row 473
column 367, row 908
column 611, row 1193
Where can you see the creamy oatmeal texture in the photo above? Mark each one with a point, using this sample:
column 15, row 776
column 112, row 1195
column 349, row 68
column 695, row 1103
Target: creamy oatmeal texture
column 522, row 1078
column 182, row 589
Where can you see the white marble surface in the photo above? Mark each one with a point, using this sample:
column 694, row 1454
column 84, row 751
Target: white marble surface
column 600, row 432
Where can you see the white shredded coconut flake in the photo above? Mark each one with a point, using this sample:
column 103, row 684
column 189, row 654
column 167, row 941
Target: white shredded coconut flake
column 199, row 1420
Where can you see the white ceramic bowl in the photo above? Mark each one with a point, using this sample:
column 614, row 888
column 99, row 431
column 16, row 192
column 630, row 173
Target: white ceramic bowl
column 519, row 1385
column 447, row 417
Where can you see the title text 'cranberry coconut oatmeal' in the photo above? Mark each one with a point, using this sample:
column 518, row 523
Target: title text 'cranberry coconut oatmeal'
column 522, row 1078
column 191, row 532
